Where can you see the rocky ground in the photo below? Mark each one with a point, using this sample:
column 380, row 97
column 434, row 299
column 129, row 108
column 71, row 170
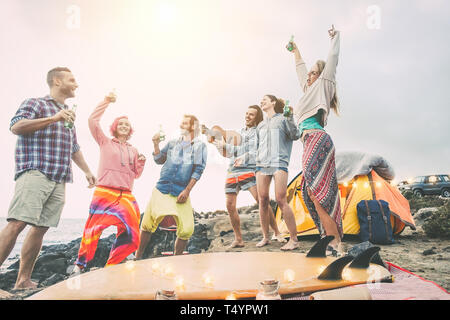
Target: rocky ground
column 414, row 250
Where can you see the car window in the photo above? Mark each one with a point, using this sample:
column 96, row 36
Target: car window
column 431, row 179
column 419, row 179
column 445, row 178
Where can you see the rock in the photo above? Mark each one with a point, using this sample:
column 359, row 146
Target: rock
column 8, row 279
column 52, row 280
column 58, row 265
column 222, row 233
column 428, row 252
column 446, row 249
column 423, row 215
column 361, row 247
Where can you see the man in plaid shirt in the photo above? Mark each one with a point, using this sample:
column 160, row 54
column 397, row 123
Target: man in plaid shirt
column 44, row 153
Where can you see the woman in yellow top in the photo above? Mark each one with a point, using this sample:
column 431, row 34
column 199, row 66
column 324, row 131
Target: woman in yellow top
column 319, row 184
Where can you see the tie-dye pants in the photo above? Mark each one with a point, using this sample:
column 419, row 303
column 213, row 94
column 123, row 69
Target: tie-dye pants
column 111, row 207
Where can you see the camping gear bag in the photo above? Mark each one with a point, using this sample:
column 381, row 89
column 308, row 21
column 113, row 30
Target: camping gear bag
column 374, row 218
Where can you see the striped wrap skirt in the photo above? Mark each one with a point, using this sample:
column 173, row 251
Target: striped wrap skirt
column 319, row 176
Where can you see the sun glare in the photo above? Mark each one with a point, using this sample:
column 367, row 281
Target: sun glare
column 166, row 13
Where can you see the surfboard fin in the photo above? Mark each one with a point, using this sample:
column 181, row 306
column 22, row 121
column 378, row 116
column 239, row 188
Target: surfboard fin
column 362, row 260
column 320, row 247
column 334, row 269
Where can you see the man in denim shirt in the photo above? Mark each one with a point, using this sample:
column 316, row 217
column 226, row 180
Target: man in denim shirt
column 241, row 172
column 183, row 160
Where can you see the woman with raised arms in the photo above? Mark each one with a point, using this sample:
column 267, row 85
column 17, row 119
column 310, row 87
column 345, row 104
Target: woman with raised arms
column 319, row 184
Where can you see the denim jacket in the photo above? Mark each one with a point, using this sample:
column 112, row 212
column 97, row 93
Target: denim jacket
column 246, row 150
column 182, row 161
column 275, row 136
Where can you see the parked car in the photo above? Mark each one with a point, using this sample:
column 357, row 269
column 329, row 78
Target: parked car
column 438, row 184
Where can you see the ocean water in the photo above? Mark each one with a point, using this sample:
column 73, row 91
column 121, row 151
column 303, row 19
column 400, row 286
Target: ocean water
column 67, row 230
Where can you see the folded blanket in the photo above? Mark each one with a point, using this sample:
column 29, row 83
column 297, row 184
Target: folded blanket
column 350, row 164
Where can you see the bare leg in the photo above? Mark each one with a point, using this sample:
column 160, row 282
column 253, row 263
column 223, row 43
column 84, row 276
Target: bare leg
column 145, row 237
column 235, row 220
column 272, row 221
column 328, row 224
column 280, row 178
column 30, row 250
column 8, row 238
column 180, row 245
column 263, row 185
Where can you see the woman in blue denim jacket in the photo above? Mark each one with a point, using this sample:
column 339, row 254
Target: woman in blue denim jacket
column 275, row 136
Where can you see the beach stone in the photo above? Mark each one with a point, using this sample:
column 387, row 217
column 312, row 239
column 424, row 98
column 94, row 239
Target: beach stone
column 428, row 252
column 15, row 265
column 223, row 233
column 56, row 266
column 423, row 215
column 361, row 247
column 53, row 279
column 8, row 280
column 48, row 258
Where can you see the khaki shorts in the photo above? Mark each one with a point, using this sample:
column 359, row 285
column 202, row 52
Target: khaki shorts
column 37, row 200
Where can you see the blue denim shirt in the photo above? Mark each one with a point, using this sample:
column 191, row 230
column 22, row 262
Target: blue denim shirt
column 275, row 136
column 246, row 150
column 182, row 161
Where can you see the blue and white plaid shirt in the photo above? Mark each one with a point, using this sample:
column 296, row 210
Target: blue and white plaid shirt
column 48, row 150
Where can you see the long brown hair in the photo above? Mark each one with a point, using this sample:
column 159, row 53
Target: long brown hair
column 259, row 114
column 279, row 104
column 334, row 103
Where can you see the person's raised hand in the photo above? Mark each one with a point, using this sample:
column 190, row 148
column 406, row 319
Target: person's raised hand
column 111, row 97
column 156, row 138
column 332, row 31
column 294, row 46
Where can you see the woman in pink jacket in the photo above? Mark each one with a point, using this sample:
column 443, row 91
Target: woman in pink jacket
column 113, row 203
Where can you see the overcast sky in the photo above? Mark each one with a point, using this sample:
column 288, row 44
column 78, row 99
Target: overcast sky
column 215, row 58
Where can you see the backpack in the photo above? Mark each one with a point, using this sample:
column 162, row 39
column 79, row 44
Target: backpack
column 374, row 218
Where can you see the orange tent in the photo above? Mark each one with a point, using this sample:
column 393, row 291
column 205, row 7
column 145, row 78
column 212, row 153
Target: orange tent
column 361, row 187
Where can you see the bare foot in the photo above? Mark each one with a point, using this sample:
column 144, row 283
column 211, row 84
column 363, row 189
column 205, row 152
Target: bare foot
column 263, row 242
column 237, row 244
column 279, row 238
column 291, row 245
column 25, row 285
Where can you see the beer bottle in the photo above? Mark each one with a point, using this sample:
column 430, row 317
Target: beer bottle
column 286, row 109
column 113, row 95
column 69, row 124
column 162, row 135
column 290, row 45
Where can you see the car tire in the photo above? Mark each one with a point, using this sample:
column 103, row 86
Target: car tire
column 446, row 193
column 418, row 193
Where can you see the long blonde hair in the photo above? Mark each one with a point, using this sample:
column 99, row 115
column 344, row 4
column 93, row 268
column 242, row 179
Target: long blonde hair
column 334, row 103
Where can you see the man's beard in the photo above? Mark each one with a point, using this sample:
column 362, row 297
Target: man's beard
column 67, row 91
column 185, row 132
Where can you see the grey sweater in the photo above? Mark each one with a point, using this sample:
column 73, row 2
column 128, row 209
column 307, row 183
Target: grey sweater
column 275, row 136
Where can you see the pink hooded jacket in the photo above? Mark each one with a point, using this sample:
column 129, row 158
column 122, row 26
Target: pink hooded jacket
column 119, row 164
